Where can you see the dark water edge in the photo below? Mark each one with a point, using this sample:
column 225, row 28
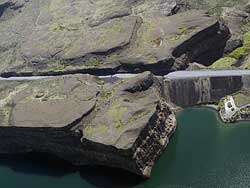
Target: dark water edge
column 44, row 170
column 204, row 152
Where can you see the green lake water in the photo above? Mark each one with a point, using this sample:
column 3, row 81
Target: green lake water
column 204, row 152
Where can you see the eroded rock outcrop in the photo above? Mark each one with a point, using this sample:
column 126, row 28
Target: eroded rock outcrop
column 83, row 120
column 104, row 37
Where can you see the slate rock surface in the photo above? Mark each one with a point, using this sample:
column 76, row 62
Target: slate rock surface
column 83, row 120
column 104, row 37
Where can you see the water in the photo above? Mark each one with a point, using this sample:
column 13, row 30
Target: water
column 204, row 152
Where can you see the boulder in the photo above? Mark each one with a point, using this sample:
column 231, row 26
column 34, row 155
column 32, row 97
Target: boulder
column 235, row 18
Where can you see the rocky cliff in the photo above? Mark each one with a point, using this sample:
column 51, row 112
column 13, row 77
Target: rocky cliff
column 105, row 37
column 85, row 121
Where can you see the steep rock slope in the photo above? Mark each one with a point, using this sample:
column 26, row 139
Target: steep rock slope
column 78, row 118
column 104, row 37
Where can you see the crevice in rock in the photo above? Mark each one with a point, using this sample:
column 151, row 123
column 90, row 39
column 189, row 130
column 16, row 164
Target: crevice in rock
column 4, row 6
column 161, row 68
column 117, row 14
column 73, row 125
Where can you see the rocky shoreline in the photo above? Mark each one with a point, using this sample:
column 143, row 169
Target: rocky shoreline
column 124, row 123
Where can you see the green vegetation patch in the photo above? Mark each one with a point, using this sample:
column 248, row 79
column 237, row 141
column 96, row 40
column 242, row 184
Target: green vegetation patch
column 117, row 112
column 184, row 30
column 61, row 27
column 138, row 116
column 5, row 114
column 93, row 62
column 106, row 94
column 220, row 105
column 233, row 57
column 60, row 67
column 100, row 82
column 246, row 41
column 223, row 63
column 238, row 53
column 91, row 129
column 245, row 26
column 246, row 64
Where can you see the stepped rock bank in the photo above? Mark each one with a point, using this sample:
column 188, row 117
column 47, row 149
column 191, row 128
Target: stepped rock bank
column 124, row 123
column 79, row 118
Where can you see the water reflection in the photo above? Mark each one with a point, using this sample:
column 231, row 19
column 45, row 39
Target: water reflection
column 47, row 165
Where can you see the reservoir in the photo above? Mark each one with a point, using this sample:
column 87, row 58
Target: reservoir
column 204, row 152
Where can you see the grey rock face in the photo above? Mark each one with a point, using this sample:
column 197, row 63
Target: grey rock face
column 85, row 121
column 104, row 37
column 233, row 43
column 234, row 13
column 214, row 7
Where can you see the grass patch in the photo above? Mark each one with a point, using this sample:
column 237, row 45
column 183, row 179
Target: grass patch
column 223, row 63
column 233, row 57
column 220, row 105
column 65, row 28
column 92, row 130
column 106, row 94
column 100, row 82
column 246, row 41
column 238, row 53
column 92, row 62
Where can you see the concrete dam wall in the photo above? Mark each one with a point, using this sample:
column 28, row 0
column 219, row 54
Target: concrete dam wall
column 188, row 88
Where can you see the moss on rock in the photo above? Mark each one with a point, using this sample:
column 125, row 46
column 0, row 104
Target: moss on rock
column 233, row 57
column 238, row 53
column 116, row 112
column 90, row 129
column 106, row 94
column 93, row 62
column 223, row 63
column 246, row 41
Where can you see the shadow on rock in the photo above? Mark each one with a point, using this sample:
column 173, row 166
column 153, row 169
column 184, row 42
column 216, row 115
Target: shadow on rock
column 105, row 177
column 45, row 164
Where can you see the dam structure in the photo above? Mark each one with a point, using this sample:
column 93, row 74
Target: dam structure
column 189, row 88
